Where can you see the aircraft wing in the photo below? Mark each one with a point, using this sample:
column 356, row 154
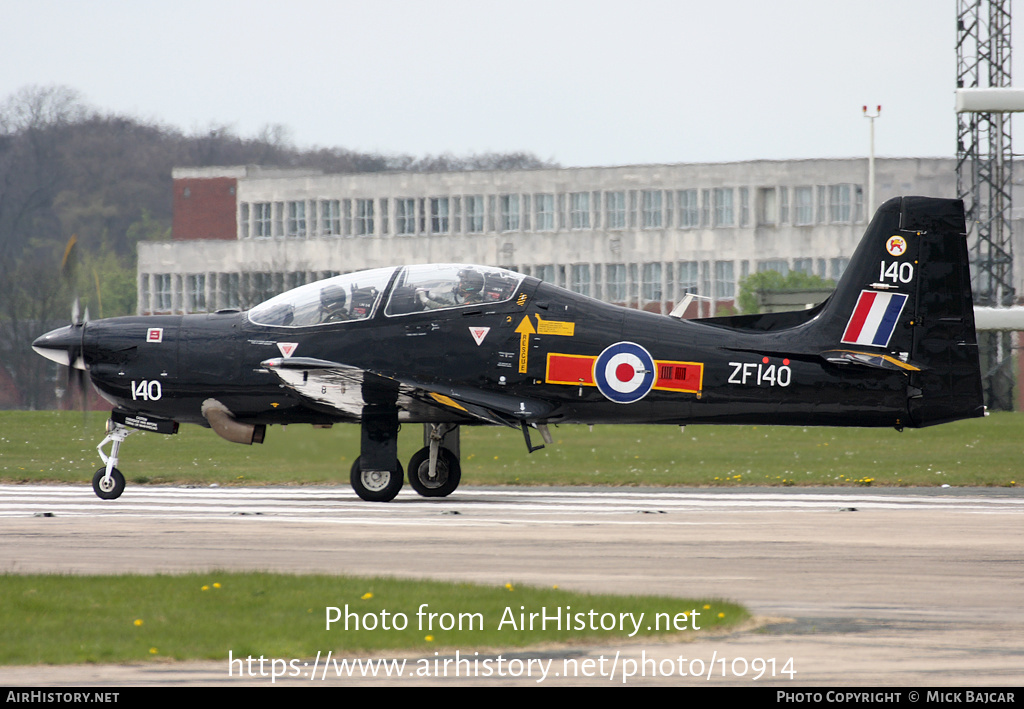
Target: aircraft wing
column 348, row 389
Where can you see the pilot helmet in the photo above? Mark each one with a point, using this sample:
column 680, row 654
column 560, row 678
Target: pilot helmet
column 333, row 297
column 471, row 281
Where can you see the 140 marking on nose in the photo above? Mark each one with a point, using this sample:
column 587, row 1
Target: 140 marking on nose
column 147, row 390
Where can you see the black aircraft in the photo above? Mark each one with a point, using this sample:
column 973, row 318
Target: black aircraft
column 451, row 345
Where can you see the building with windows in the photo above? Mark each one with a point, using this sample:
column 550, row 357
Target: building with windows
column 642, row 235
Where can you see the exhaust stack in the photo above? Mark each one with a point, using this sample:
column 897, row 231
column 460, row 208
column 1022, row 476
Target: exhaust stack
column 227, row 427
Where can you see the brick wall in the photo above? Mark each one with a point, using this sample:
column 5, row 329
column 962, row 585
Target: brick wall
column 204, row 208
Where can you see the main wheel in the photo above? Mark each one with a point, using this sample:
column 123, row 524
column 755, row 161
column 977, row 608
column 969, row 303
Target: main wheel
column 376, row 485
column 447, row 477
column 108, row 489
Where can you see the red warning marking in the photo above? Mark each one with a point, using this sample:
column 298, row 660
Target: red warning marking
column 570, row 369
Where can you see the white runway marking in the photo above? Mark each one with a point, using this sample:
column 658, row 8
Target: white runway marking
column 475, row 505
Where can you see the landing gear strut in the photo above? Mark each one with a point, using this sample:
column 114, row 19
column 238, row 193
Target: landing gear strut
column 376, row 474
column 434, row 470
column 108, row 482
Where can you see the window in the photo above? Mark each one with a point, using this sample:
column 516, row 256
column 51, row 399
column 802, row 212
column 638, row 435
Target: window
column 836, row 267
column 261, row 220
column 580, row 279
column 615, row 282
column 723, row 206
column 840, row 208
column 804, row 265
column 364, row 217
column 858, row 204
column 330, row 217
column 689, row 278
column 803, row 210
column 579, row 210
column 705, row 208
column 651, row 287
column 296, row 219
column 405, row 216
column 510, row 212
column 231, row 294
column 744, row 206
column 615, row 205
column 545, row 273
column 196, row 285
column 244, row 218
column 780, row 265
column 278, row 218
column 766, row 210
column 651, row 209
column 474, row 214
column 725, row 279
column 783, row 205
column 821, row 204
column 544, row 212
column 439, row 215
column 162, row 292
column 689, row 212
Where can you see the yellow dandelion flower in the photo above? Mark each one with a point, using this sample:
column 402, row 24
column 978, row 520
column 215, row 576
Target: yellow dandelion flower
column 138, row 622
column 216, row 585
column 366, row 596
column 721, row 615
column 429, row 638
column 206, row 588
column 707, row 607
column 153, row 651
column 510, row 587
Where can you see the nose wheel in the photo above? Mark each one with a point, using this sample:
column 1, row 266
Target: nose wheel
column 108, row 487
column 108, row 482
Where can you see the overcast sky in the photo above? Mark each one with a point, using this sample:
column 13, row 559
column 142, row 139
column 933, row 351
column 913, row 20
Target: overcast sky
column 581, row 82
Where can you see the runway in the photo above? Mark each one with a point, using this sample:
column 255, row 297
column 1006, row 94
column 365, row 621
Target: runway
column 866, row 586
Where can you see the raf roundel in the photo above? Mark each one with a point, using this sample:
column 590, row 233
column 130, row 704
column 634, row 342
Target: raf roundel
column 624, row 372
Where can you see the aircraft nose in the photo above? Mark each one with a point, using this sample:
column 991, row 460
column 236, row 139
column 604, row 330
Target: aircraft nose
column 61, row 345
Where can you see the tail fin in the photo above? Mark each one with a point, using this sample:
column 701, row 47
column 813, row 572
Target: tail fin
column 905, row 302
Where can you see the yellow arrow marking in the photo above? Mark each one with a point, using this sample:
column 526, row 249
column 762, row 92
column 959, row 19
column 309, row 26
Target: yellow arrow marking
column 525, row 329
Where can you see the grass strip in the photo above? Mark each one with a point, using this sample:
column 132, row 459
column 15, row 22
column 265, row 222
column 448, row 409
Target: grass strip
column 47, row 619
column 61, row 447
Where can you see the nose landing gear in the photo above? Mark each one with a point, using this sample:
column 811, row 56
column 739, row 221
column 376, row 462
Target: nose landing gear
column 108, row 482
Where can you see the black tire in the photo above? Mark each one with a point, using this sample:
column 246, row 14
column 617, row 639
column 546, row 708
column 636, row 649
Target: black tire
column 110, row 489
column 449, row 473
column 378, row 486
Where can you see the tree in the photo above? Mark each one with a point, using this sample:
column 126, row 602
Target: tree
column 769, row 281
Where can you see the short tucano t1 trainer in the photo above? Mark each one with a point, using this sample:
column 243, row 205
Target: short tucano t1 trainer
column 448, row 345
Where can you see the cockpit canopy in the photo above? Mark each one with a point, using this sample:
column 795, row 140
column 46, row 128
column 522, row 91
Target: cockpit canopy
column 415, row 289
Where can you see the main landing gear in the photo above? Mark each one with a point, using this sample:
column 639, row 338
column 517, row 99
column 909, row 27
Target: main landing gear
column 434, row 470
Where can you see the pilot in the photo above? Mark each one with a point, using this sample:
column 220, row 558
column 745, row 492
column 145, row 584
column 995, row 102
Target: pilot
column 332, row 304
column 470, row 288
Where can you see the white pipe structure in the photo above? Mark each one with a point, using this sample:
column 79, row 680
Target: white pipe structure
column 999, row 319
column 871, row 158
